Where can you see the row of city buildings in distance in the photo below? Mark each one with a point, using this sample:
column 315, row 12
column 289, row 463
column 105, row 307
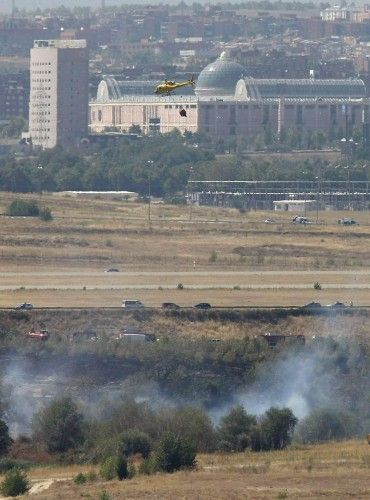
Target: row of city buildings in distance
column 227, row 102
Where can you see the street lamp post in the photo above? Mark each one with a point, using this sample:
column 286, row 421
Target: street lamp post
column 317, row 199
column 190, row 194
column 348, row 168
column 150, row 165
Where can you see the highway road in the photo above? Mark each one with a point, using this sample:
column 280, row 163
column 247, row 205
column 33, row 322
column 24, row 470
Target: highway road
column 96, row 288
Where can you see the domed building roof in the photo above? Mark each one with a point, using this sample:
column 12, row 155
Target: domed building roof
column 219, row 77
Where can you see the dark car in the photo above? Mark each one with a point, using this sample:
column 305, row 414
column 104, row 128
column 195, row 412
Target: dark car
column 170, row 305
column 312, row 306
column 25, row 305
column 203, row 305
column 336, row 305
column 347, row 222
column 112, row 270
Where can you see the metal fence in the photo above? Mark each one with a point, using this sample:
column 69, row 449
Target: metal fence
column 260, row 195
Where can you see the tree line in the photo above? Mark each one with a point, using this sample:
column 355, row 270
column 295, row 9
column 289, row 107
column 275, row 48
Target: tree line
column 161, row 165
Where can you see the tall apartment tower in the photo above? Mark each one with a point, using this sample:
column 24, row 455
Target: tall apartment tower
column 59, row 92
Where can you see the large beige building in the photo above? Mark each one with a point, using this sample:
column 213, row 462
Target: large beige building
column 59, row 92
column 226, row 103
column 113, row 109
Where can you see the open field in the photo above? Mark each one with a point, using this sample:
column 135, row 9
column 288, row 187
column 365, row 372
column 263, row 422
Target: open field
column 333, row 470
column 219, row 255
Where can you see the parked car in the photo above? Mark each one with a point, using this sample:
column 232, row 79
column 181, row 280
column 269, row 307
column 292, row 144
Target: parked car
column 112, row 270
column 132, row 304
column 336, row 305
column 138, row 337
column 170, row 305
column 312, row 305
column 203, row 305
column 347, row 222
column 37, row 334
column 300, row 220
column 25, row 305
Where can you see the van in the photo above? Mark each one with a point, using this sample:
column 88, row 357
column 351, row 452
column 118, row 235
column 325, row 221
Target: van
column 138, row 337
column 132, row 304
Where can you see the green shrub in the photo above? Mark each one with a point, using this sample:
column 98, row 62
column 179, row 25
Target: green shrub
column 45, row 214
column 234, row 430
column 5, row 439
column 7, row 464
column 134, row 441
column 274, row 431
column 174, row 453
column 15, row 483
column 121, row 467
column 80, row 478
column 91, row 476
column 148, row 466
column 326, row 424
column 23, row 208
column 60, row 425
column 213, row 256
column 180, row 286
column 104, row 496
column 108, row 469
column 317, row 286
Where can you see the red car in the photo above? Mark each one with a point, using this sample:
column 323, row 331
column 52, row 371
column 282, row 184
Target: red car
column 38, row 334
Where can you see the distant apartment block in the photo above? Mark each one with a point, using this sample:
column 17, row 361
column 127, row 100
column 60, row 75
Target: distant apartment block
column 14, row 96
column 59, row 92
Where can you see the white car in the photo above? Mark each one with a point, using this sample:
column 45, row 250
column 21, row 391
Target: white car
column 132, row 304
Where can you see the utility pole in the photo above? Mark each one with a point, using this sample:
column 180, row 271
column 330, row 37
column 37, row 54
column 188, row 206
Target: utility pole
column 317, row 199
column 13, row 8
column 102, row 4
column 190, row 193
column 150, row 164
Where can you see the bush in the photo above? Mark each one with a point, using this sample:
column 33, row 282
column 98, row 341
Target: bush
column 192, row 423
column 326, row 424
column 91, row 476
column 45, row 214
column 80, row 478
column 14, row 484
column 116, row 467
column 174, row 453
column 23, row 208
column 148, row 466
column 121, row 467
column 108, row 469
column 104, row 496
column 234, row 430
column 213, row 256
column 134, row 441
column 5, row 439
column 180, row 286
column 274, row 431
column 317, row 286
column 60, row 425
column 7, row 464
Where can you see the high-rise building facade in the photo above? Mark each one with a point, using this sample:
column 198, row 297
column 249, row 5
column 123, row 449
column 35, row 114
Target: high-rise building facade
column 59, row 92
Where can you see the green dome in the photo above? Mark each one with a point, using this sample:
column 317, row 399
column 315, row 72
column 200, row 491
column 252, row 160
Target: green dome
column 219, row 77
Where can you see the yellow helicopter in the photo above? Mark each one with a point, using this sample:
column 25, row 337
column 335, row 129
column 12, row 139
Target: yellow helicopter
column 167, row 87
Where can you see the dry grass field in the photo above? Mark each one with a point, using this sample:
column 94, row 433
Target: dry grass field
column 334, row 470
column 220, row 255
